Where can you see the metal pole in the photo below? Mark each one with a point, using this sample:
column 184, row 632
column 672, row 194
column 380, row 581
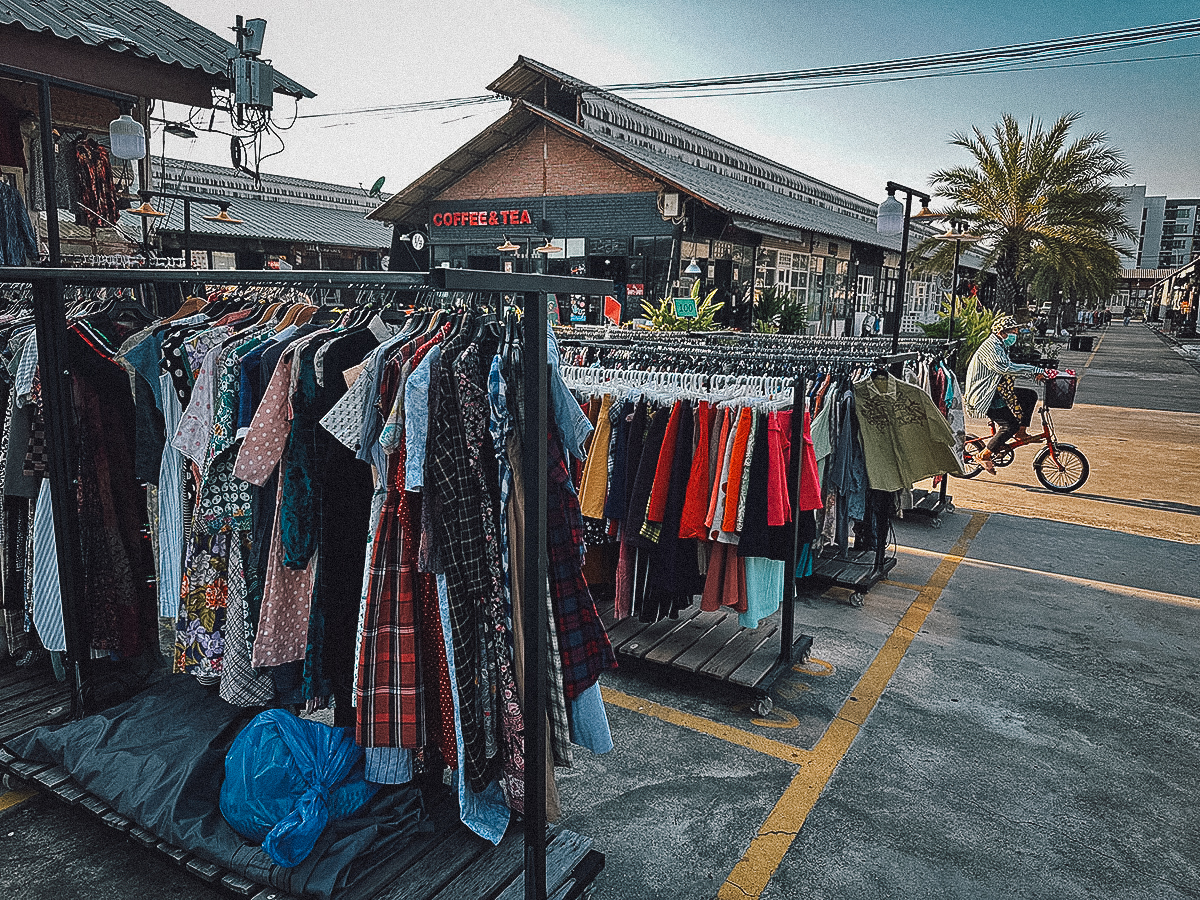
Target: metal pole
column 46, row 130
column 62, row 471
column 903, row 277
column 793, row 478
column 953, row 295
column 187, row 233
column 950, row 337
column 535, row 591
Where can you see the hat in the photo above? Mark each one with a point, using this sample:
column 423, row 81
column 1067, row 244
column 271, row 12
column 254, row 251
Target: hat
column 1004, row 323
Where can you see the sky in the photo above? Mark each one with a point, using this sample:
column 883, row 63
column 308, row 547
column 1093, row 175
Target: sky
column 364, row 53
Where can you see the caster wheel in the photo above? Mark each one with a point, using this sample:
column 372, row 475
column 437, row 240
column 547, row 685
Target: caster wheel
column 935, row 523
column 764, row 706
column 949, row 507
column 856, row 599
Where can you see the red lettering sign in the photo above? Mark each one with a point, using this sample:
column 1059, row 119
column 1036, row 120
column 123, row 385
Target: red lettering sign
column 481, row 217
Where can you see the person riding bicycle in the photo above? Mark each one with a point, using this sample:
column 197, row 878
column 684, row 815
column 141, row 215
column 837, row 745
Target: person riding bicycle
column 991, row 391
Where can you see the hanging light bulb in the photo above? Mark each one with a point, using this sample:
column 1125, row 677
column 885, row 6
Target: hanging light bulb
column 692, row 268
column 890, row 217
column 127, row 138
column 508, row 246
column 548, row 248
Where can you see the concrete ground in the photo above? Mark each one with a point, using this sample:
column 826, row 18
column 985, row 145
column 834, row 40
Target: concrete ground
column 1012, row 714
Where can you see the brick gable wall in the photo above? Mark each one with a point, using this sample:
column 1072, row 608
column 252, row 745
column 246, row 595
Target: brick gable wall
column 572, row 169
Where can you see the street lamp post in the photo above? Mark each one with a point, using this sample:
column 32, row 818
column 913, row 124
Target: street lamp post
column 960, row 234
column 894, row 218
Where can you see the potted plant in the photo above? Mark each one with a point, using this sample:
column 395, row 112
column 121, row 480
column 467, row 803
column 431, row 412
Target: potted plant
column 662, row 315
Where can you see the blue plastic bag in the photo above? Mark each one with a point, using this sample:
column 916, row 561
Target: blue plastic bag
column 286, row 778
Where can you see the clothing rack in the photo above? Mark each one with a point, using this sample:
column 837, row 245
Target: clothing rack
column 855, row 571
column 49, row 290
column 712, row 646
column 930, row 504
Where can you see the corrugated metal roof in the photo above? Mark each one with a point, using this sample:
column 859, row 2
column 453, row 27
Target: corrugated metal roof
column 144, row 28
column 527, row 80
column 188, row 176
column 1144, row 274
column 277, row 221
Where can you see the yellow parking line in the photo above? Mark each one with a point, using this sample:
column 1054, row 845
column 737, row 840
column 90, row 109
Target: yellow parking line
column 10, row 799
column 766, row 851
column 1092, row 355
column 904, row 584
column 747, row 739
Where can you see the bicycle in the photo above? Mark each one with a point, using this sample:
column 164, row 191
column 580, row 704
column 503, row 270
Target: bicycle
column 1060, row 467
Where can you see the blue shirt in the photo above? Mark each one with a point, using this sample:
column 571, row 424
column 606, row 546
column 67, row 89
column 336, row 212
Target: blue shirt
column 569, row 419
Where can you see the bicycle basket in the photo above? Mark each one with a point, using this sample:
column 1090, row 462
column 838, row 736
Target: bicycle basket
column 1060, row 391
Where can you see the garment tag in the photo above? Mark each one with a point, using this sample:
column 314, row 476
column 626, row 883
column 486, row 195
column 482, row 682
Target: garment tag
column 379, row 328
column 351, row 374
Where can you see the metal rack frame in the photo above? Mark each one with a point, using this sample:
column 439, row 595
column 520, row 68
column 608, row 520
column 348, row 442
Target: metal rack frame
column 51, row 334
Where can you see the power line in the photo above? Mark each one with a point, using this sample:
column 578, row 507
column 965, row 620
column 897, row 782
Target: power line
column 993, row 60
column 1088, row 43
column 997, row 70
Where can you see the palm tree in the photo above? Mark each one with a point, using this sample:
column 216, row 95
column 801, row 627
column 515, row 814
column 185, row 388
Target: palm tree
column 1041, row 205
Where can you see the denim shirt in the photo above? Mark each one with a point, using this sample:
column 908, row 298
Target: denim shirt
column 416, row 420
column 570, row 420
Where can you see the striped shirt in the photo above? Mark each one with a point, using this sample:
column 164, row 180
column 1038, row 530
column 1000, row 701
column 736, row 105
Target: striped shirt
column 989, row 364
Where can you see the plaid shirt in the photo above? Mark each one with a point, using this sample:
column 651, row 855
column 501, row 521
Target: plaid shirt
column 452, row 504
column 503, row 428
column 583, row 642
column 390, row 689
column 500, row 699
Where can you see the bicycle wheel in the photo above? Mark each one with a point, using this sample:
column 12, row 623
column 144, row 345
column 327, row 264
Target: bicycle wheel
column 971, row 467
column 1070, row 472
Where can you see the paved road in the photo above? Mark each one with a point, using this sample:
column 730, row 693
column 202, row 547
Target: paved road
column 1013, row 714
column 1137, row 419
column 1132, row 367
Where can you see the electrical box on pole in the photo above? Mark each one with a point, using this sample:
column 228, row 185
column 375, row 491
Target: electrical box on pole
column 253, row 83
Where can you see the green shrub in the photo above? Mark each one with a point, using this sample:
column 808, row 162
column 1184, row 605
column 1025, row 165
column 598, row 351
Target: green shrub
column 972, row 323
column 777, row 312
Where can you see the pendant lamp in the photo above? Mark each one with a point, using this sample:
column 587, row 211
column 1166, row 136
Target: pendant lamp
column 146, row 209
column 224, row 217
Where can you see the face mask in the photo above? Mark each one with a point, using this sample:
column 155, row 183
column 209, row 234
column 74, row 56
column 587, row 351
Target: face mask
column 1009, row 340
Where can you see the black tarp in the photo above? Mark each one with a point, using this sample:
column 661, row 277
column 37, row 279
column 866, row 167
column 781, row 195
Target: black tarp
column 159, row 760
